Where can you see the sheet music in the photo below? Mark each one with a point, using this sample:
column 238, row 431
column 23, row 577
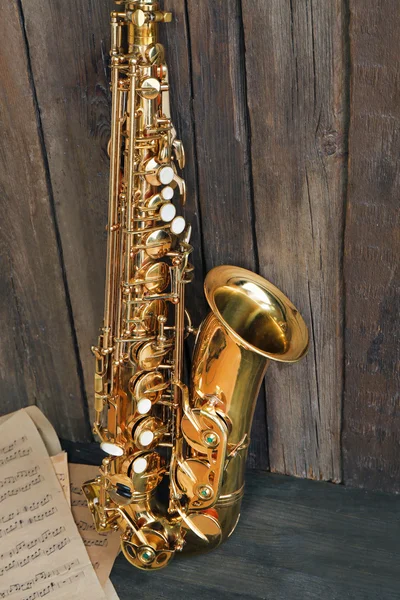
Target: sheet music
column 60, row 466
column 109, row 590
column 41, row 552
column 102, row 548
column 83, row 473
column 43, row 425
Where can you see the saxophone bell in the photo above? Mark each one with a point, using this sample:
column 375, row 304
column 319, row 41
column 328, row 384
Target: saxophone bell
column 251, row 323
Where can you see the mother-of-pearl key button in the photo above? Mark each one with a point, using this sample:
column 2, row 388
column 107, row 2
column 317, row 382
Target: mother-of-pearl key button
column 178, row 225
column 112, row 449
column 139, row 465
column 146, row 437
column 143, row 406
column 167, row 212
column 167, row 193
column 166, row 175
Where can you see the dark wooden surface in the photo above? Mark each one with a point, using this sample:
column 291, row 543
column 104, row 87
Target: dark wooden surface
column 38, row 353
column 371, row 434
column 296, row 74
column 73, row 95
column 289, row 113
column 296, row 540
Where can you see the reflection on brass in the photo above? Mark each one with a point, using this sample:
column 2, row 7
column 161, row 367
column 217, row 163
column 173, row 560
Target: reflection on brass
column 150, row 88
column 149, row 356
column 155, row 54
column 153, row 426
column 155, row 276
column 147, row 385
column 151, row 310
column 157, row 243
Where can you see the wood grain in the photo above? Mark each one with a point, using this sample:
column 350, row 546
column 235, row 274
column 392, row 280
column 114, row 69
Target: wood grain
column 175, row 37
column 38, row 361
column 69, row 44
column 371, row 434
column 296, row 76
column 222, row 144
column 260, row 96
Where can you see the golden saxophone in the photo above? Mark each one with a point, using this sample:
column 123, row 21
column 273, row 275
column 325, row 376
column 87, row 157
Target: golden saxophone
column 173, row 476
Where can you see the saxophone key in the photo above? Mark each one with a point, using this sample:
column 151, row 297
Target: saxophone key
column 147, row 433
column 147, row 357
column 180, row 183
column 112, row 449
column 167, row 193
column 165, row 175
column 150, row 88
column 155, row 54
column 178, row 225
column 150, row 312
column 140, row 465
column 198, row 481
column 167, row 212
column 159, row 174
column 153, row 202
column 155, row 277
column 144, row 470
column 155, row 554
column 157, row 243
column 148, row 385
column 179, row 153
column 144, row 406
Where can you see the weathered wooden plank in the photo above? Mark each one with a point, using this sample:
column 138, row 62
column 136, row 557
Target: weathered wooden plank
column 295, row 539
column 176, row 40
column 69, row 44
column 296, row 73
column 221, row 132
column 371, row 433
column 222, row 144
column 38, row 361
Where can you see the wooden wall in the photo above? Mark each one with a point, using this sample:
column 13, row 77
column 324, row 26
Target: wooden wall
column 289, row 111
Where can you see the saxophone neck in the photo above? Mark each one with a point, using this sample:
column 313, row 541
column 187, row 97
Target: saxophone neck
column 142, row 17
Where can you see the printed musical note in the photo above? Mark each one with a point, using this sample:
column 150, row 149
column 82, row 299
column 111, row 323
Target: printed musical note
column 24, row 474
column 60, row 465
column 15, row 455
column 98, row 543
column 38, row 577
column 102, row 548
column 52, row 587
column 41, row 551
column 18, row 490
column 15, row 563
column 79, row 502
column 14, row 444
column 46, row 535
column 84, row 526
